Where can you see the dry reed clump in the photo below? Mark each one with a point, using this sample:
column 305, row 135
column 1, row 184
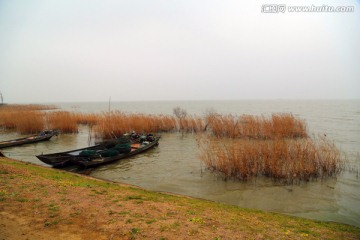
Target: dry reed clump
column 25, row 107
column 23, row 118
column 283, row 125
column 7, row 119
column 23, row 121
column 287, row 161
column 63, row 121
column 117, row 123
column 87, row 118
column 191, row 124
column 29, row 122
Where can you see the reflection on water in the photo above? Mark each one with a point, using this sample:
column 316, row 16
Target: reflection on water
column 174, row 166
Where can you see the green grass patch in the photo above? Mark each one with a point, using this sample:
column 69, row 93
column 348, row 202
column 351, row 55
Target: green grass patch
column 196, row 220
column 22, row 200
column 51, row 223
column 4, row 172
column 53, row 207
column 134, row 197
column 150, row 221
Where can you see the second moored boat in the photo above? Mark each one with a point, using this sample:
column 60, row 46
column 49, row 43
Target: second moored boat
column 103, row 153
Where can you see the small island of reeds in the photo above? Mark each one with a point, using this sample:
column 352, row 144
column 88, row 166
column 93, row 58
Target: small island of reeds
column 278, row 147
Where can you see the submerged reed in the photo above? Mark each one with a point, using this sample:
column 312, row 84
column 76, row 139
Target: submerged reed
column 281, row 125
column 284, row 160
column 29, row 122
column 63, row 121
column 23, row 118
column 117, row 123
column 86, row 118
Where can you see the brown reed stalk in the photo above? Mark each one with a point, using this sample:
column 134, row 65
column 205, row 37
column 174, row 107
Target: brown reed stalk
column 284, row 160
column 64, row 121
column 22, row 118
column 7, row 119
column 282, row 125
column 86, row 118
column 29, row 122
column 26, row 107
column 116, row 123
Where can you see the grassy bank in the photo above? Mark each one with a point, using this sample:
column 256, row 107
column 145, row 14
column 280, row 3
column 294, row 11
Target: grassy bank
column 42, row 203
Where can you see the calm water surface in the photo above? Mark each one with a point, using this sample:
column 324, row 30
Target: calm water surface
column 174, row 165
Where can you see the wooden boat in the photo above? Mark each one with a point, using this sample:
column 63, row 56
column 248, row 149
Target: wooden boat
column 62, row 159
column 75, row 157
column 43, row 136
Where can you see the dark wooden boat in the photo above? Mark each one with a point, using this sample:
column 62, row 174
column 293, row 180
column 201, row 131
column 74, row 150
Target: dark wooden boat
column 75, row 157
column 62, row 159
column 43, row 136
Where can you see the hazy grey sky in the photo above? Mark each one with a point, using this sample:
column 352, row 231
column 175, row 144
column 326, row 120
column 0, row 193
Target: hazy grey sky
column 88, row 50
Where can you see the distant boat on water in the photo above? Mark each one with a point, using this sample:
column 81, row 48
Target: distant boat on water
column 42, row 136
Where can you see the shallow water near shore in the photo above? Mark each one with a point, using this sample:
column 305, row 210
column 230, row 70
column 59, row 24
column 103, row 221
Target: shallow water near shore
column 174, row 166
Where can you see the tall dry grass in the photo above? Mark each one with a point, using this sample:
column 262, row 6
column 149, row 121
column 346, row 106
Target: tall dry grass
column 23, row 121
column 87, row 118
column 7, row 119
column 190, row 124
column 284, row 160
column 25, row 107
column 23, row 118
column 29, row 122
column 281, row 125
column 63, row 121
column 117, row 123
column 105, row 125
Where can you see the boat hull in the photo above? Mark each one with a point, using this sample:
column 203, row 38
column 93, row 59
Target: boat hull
column 27, row 140
column 84, row 163
column 73, row 157
column 62, row 159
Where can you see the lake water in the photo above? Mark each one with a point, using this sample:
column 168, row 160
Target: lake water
column 174, row 165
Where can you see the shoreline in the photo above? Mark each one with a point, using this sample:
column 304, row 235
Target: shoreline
column 40, row 203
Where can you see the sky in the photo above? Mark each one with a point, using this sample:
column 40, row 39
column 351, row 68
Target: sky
column 90, row 50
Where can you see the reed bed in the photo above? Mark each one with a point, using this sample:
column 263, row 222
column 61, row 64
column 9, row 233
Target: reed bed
column 87, row 118
column 283, row 160
column 281, row 125
column 190, row 124
column 26, row 107
column 117, row 123
column 63, row 121
column 23, row 118
column 7, row 119
column 31, row 122
column 23, row 121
